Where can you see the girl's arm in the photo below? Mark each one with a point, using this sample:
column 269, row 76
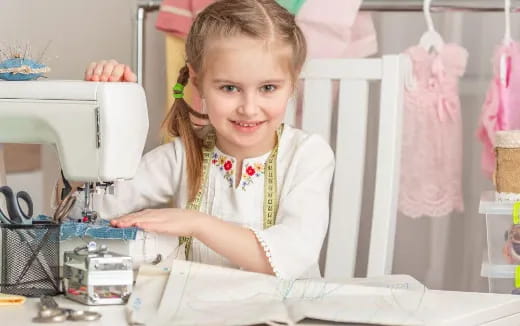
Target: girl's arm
column 236, row 243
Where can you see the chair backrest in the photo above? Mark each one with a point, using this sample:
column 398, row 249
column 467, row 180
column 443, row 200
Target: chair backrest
column 342, row 120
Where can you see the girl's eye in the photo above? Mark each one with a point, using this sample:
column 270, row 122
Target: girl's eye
column 268, row 88
column 229, row 88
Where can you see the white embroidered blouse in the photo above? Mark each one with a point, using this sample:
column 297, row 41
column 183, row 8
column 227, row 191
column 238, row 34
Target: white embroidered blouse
column 305, row 165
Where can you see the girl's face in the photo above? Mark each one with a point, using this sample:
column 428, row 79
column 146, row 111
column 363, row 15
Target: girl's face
column 246, row 86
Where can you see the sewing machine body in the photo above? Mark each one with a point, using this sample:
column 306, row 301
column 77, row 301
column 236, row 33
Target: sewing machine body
column 99, row 129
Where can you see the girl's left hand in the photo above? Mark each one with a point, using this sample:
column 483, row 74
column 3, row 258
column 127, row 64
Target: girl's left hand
column 172, row 221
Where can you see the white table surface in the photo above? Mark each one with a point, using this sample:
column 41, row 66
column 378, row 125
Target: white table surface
column 115, row 315
column 111, row 315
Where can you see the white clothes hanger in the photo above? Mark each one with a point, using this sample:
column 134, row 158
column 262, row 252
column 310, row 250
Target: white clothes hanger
column 504, row 64
column 431, row 39
column 507, row 12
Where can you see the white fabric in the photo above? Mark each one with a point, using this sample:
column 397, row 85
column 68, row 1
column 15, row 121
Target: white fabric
column 305, row 166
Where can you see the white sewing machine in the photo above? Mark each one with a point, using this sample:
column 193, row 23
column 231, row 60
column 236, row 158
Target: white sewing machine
column 99, row 131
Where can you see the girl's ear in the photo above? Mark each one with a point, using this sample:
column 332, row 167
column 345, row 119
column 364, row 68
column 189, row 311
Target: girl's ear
column 193, row 76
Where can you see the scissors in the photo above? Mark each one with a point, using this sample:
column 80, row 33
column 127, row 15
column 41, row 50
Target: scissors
column 15, row 214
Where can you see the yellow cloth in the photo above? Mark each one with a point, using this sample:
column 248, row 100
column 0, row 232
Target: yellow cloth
column 175, row 60
column 11, row 300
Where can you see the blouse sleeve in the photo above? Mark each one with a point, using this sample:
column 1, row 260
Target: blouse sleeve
column 157, row 180
column 294, row 243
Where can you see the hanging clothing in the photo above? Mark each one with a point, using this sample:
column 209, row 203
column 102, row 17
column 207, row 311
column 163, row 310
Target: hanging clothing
column 501, row 106
column 431, row 161
column 293, row 6
column 176, row 16
column 337, row 30
column 304, row 169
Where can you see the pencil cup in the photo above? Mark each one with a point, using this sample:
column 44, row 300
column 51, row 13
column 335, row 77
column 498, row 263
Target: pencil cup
column 30, row 259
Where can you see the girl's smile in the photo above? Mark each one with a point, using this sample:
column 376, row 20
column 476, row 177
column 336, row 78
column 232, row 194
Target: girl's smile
column 247, row 126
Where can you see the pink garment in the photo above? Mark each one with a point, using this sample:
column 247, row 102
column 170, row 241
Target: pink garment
column 336, row 30
column 431, row 159
column 176, row 16
column 501, row 109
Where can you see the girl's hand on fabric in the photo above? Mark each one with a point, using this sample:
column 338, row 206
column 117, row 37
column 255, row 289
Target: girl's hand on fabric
column 111, row 71
column 172, row 221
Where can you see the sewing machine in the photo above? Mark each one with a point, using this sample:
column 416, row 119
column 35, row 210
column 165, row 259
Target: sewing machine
column 98, row 129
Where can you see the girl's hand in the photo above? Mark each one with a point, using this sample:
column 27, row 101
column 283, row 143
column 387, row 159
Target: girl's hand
column 110, row 70
column 172, row 221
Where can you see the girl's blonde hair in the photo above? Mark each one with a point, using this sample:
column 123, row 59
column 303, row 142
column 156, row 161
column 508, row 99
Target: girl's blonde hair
column 259, row 19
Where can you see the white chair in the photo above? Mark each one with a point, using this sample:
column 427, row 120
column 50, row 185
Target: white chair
column 348, row 137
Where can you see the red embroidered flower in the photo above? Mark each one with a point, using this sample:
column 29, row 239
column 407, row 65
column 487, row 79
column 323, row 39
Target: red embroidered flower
column 250, row 170
column 214, row 161
column 228, row 165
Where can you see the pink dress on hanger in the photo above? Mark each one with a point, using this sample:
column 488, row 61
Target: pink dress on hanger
column 431, row 159
column 501, row 109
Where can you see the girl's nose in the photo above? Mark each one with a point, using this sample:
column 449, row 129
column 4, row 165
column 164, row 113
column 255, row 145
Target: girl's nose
column 248, row 106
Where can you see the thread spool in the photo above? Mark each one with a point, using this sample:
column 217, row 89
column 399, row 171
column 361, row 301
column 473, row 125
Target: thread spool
column 507, row 172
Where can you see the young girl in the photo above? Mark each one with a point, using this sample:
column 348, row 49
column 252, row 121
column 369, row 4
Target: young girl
column 248, row 191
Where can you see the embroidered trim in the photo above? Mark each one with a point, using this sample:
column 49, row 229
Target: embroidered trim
column 267, row 251
column 251, row 171
column 225, row 165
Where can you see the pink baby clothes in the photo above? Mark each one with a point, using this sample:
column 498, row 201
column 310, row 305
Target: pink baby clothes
column 501, row 109
column 176, row 16
column 337, row 30
column 431, row 159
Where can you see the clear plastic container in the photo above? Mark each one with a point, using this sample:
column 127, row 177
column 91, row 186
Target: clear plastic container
column 499, row 219
column 501, row 278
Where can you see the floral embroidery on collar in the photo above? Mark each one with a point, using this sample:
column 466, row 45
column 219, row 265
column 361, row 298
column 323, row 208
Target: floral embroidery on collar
column 251, row 172
column 225, row 165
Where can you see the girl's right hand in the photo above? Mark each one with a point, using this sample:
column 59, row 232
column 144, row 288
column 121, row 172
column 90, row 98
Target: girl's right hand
column 111, row 71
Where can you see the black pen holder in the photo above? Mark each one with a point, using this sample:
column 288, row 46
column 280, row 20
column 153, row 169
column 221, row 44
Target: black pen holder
column 30, row 257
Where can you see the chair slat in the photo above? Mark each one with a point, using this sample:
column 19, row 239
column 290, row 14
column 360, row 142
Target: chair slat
column 382, row 235
column 290, row 112
column 317, row 107
column 347, row 188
